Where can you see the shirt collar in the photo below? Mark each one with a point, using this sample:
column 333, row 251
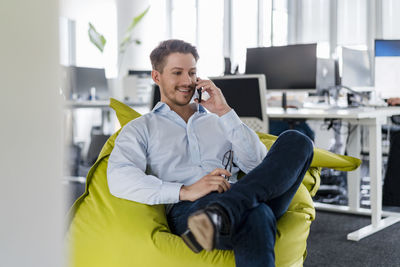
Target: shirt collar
column 163, row 107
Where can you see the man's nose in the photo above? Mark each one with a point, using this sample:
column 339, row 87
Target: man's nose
column 188, row 79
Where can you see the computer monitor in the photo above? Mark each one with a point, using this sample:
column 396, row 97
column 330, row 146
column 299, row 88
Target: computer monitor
column 325, row 73
column 82, row 80
column 286, row 68
column 387, row 68
column 356, row 69
column 246, row 95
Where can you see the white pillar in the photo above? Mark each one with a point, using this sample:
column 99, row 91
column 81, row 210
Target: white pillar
column 31, row 202
column 135, row 55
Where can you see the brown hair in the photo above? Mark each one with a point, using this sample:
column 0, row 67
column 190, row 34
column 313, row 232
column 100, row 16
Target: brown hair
column 168, row 47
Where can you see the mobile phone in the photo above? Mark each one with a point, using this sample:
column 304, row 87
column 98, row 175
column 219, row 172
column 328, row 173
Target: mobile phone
column 199, row 93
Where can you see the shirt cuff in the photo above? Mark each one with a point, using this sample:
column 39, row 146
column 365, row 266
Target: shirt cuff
column 170, row 192
column 230, row 120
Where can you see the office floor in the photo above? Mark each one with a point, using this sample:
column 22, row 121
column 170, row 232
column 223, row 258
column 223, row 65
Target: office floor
column 327, row 244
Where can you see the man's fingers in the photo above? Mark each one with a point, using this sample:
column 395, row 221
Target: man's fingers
column 219, row 172
column 228, row 185
column 221, row 181
column 219, row 188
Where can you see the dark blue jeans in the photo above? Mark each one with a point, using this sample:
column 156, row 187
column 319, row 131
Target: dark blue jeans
column 256, row 201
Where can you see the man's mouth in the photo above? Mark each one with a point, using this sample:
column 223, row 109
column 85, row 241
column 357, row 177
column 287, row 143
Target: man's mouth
column 186, row 90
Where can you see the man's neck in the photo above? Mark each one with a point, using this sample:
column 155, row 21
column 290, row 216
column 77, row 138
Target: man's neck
column 185, row 112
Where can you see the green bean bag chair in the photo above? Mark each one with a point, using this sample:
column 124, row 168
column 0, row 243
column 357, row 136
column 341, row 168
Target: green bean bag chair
column 104, row 230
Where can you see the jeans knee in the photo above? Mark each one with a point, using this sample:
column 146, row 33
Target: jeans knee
column 299, row 140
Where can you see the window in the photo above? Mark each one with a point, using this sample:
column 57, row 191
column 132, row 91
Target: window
column 314, row 21
column 210, row 38
column 201, row 23
column 244, row 30
column 352, row 23
column 279, row 22
column 391, row 19
column 183, row 20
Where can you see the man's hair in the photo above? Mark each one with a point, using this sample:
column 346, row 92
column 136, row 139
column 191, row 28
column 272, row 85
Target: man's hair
column 165, row 48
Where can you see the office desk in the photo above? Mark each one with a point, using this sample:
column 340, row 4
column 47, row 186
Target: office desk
column 104, row 105
column 373, row 118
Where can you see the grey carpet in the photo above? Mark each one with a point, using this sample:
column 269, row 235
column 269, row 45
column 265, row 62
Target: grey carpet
column 327, row 244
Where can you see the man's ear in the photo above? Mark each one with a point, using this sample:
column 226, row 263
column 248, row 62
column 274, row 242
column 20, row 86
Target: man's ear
column 156, row 76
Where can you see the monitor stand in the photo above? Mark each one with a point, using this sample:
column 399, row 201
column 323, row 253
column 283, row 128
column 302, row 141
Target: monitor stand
column 284, row 101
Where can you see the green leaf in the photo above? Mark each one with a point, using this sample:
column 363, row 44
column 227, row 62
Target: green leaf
column 137, row 19
column 96, row 38
column 127, row 40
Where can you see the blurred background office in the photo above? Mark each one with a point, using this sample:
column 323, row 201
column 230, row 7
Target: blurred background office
column 344, row 33
column 56, row 83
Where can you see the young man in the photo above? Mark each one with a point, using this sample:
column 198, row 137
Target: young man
column 178, row 154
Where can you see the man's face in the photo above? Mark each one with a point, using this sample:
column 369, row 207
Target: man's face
column 177, row 81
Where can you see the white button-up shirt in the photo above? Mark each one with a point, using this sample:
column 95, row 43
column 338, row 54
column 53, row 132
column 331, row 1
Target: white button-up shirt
column 157, row 153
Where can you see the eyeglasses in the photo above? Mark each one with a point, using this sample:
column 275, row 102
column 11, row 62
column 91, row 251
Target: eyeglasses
column 227, row 162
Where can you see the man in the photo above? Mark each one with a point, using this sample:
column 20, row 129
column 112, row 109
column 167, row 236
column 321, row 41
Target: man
column 178, row 154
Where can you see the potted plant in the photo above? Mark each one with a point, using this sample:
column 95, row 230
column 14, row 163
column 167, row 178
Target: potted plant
column 98, row 40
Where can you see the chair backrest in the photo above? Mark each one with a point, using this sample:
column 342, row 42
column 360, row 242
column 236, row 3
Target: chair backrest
column 155, row 96
column 246, row 95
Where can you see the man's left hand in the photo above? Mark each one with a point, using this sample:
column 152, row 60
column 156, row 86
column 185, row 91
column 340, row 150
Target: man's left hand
column 216, row 103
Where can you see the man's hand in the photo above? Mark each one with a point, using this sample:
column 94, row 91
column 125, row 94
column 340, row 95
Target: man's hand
column 216, row 103
column 394, row 101
column 209, row 183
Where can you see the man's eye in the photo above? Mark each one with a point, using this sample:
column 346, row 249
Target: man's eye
column 193, row 73
column 177, row 73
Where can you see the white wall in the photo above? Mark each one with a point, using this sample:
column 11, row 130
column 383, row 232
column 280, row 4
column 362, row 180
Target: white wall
column 31, row 215
column 102, row 14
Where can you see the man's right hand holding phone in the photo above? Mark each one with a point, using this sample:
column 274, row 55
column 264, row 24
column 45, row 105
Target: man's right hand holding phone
column 216, row 103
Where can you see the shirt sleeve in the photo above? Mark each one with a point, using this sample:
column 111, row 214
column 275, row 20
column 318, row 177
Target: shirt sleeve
column 126, row 171
column 248, row 150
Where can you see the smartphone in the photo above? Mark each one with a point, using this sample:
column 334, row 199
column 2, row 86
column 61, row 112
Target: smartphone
column 199, row 93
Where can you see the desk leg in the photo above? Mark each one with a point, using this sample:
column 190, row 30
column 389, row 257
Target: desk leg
column 375, row 165
column 375, row 168
column 353, row 177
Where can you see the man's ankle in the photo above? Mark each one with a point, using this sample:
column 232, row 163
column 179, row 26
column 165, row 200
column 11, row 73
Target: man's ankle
column 223, row 213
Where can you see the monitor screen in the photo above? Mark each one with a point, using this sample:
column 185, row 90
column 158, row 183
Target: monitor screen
column 240, row 92
column 285, row 67
column 356, row 68
column 82, row 80
column 387, row 68
column 387, row 48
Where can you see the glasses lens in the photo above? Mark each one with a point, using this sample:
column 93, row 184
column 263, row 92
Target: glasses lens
column 227, row 160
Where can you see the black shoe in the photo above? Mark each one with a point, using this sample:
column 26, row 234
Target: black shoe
column 204, row 228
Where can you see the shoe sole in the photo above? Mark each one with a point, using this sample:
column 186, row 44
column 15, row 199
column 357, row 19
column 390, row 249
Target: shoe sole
column 202, row 229
column 191, row 241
